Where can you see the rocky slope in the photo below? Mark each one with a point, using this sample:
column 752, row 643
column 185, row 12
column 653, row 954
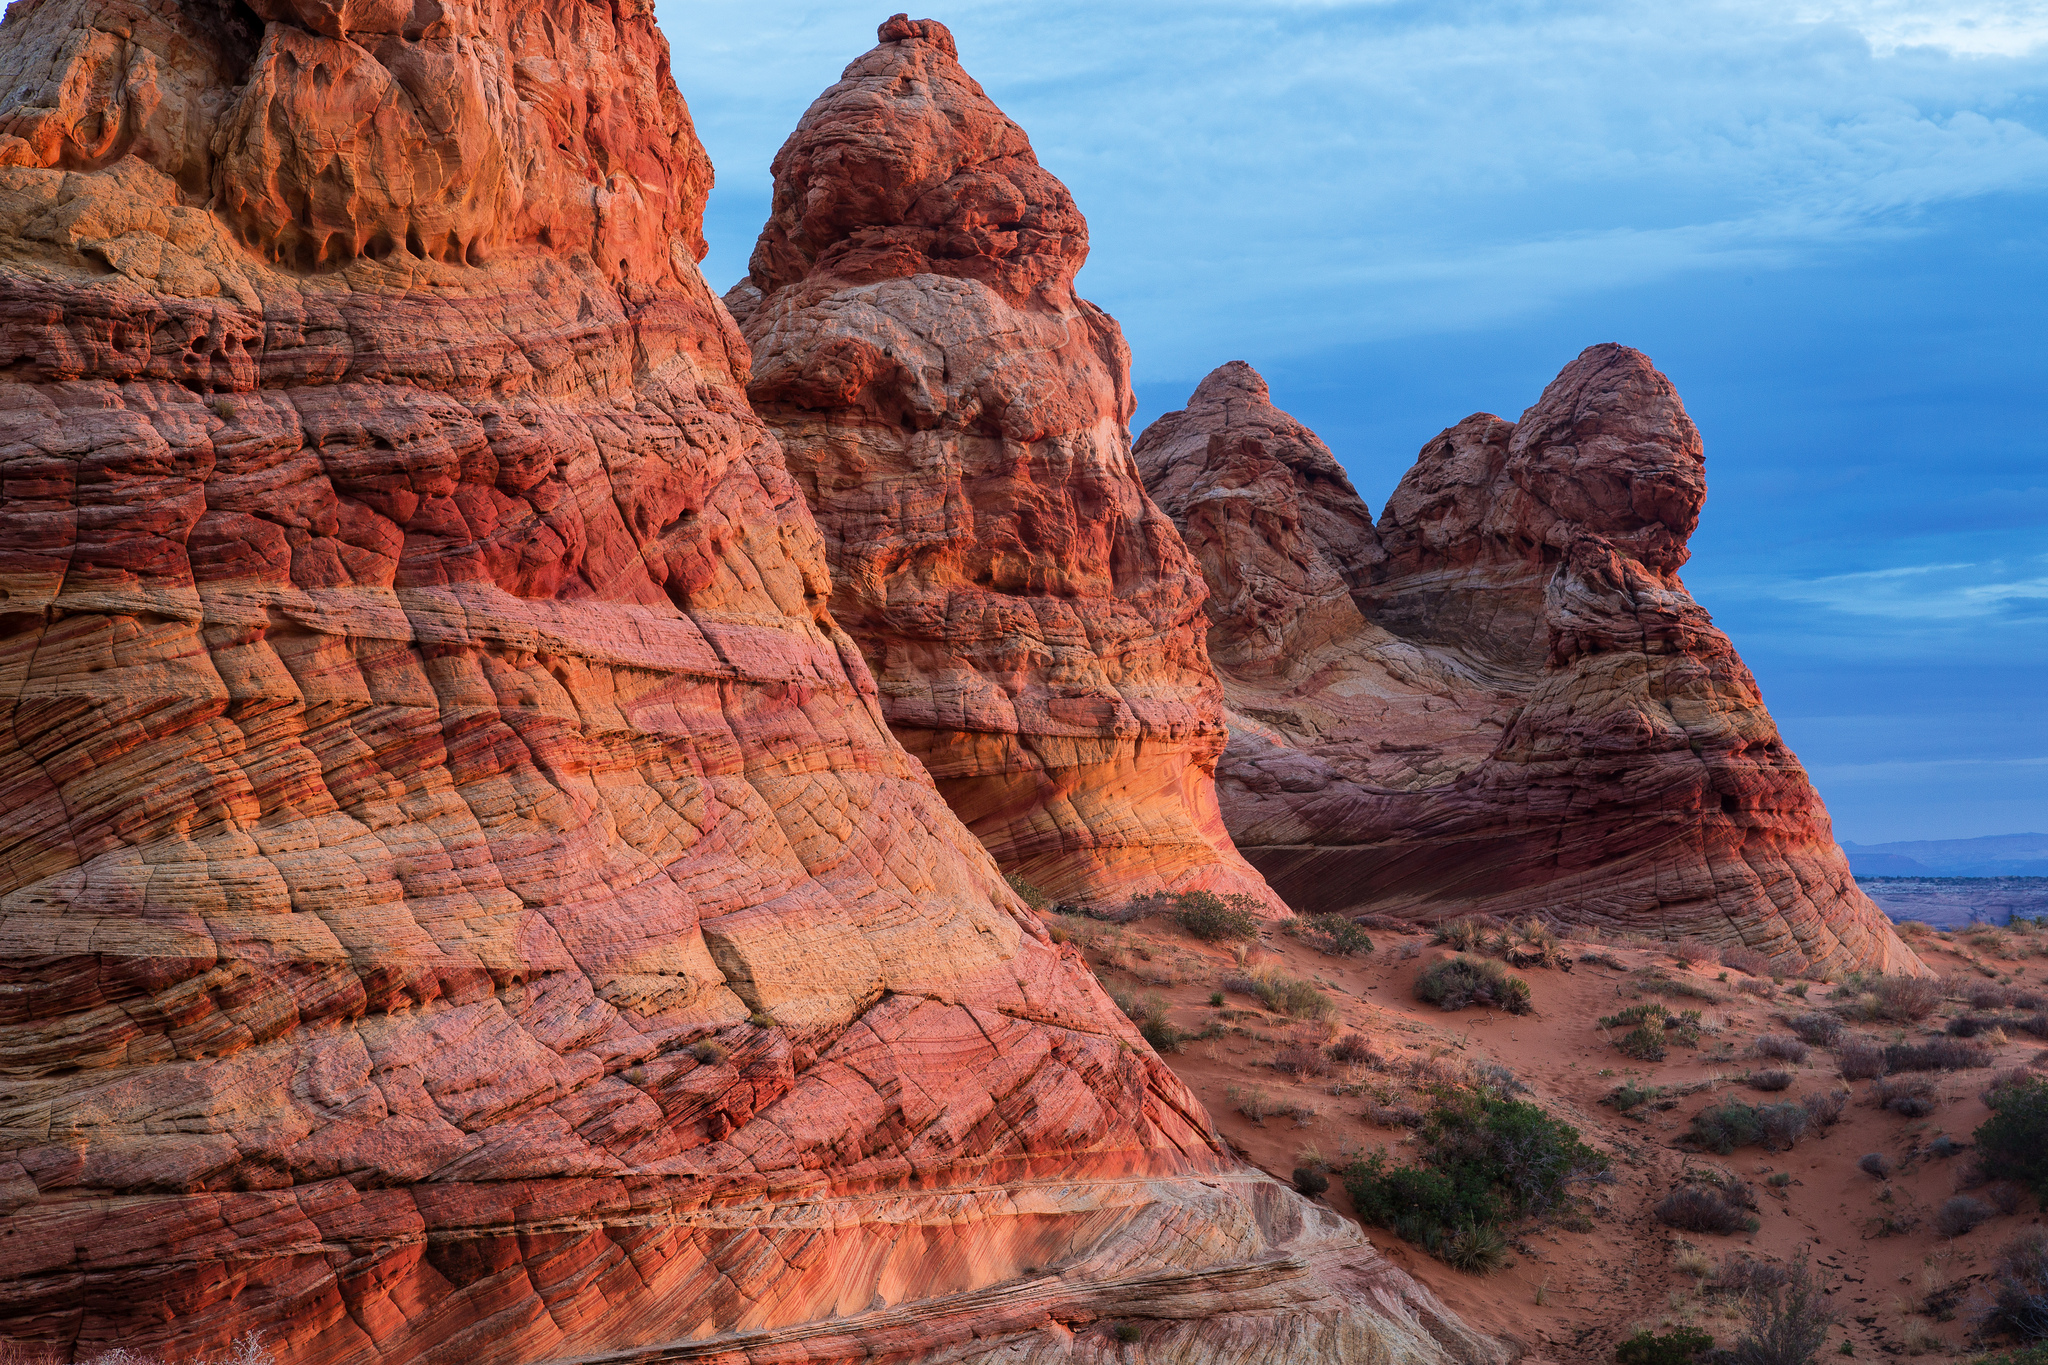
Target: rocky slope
column 459, row 896
column 1500, row 698
column 957, row 419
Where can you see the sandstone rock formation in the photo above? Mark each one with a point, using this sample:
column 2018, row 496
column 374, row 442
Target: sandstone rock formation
column 1501, row 698
column 958, row 420
column 459, row 897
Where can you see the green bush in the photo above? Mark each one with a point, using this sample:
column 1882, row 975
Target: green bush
column 1721, row 1128
column 1291, row 995
column 1332, row 934
column 1484, row 1160
column 1677, row 1348
column 1149, row 1014
column 1216, row 919
column 1650, row 1027
column 2013, row 1143
column 1463, row 934
column 1026, row 892
column 1456, row 982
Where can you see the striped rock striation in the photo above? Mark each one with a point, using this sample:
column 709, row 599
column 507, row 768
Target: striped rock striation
column 459, row 896
column 1500, row 698
column 958, row 420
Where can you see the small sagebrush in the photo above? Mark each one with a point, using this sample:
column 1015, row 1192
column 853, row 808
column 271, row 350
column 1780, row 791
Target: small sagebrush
column 1821, row 1030
column 1960, row 1215
column 1457, row 982
column 1335, row 935
column 1781, row 1047
column 1701, row 1208
column 1217, row 919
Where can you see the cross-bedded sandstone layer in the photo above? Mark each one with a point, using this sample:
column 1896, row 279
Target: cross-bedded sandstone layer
column 958, row 420
column 1501, row 698
column 459, row 896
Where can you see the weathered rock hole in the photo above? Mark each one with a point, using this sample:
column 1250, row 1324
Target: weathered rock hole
column 236, row 31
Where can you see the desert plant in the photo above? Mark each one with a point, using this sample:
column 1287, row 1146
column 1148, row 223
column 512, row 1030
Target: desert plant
column 2020, row 1306
column 1770, row 1080
column 2013, row 1143
column 1026, row 892
column 1940, row 1054
column 1859, row 1060
column 708, row 1052
column 1701, row 1208
column 1875, row 1164
column 1815, row 1027
column 1905, row 999
column 1252, row 1102
column 1675, row 1348
column 1650, row 1026
column 1747, row 960
column 1960, row 1214
column 1290, row 995
column 1787, row 1323
column 1687, row 951
column 1465, row 935
column 1478, row 1250
column 1907, row 1095
column 1781, row 1047
column 1217, row 919
column 1783, row 1125
column 1301, row 1061
column 1310, row 1181
column 1824, row 1107
column 1456, row 982
column 1723, row 1127
column 1128, row 1332
column 1336, row 935
column 1352, row 1049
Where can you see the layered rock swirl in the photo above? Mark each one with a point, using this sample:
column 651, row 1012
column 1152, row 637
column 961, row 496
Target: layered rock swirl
column 958, row 420
column 1501, row 697
column 459, row 896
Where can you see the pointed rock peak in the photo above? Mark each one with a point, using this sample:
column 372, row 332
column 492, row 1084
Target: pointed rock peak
column 906, row 167
column 1232, row 379
column 1609, row 448
column 901, row 28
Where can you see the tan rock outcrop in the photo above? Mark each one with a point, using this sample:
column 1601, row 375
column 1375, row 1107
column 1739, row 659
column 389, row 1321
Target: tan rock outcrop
column 459, row 897
column 958, row 420
column 1501, row 699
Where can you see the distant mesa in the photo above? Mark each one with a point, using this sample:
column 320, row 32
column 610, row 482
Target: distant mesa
column 1499, row 698
column 1996, row 855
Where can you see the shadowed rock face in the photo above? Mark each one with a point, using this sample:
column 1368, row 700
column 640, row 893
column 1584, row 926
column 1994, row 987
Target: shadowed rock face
column 1502, row 698
column 459, row 896
column 958, row 421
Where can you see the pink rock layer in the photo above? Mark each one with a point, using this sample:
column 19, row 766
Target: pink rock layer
column 958, row 421
column 459, row 896
column 1500, row 699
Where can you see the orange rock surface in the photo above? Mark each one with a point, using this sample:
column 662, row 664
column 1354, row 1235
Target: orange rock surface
column 1500, row 699
column 459, row 896
column 958, row 420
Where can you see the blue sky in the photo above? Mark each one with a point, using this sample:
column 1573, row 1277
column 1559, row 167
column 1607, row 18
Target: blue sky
column 1824, row 220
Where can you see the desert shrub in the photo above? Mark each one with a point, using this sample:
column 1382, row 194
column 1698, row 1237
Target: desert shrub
column 1465, row 935
column 1786, row 1324
column 1887, row 1089
column 1650, row 1027
column 1859, row 1060
column 1701, row 1208
column 1483, row 1160
column 1628, row 1095
column 1770, row 1080
column 1310, row 1181
column 1241, row 982
column 1985, row 995
column 1875, row 1164
column 1216, row 919
column 2036, row 1024
column 1149, row 1013
column 1128, row 1332
column 1456, row 982
column 762, row 1019
column 708, row 1052
column 1747, row 960
column 1395, row 1115
column 1940, row 1054
column 1301, row 1061
column 1744, row 1274
column 1970, row 1025
column 1687, row 951
column 1723, row 1127
column 1290, row 995
column 2013, row 1143
column 1353, row 1048
column 2020, row 1304
column 1817, row 1028
column 1782, row 1047
column 1026, row 892
column 1335, row 935
column 2007, row 1199
column 1960, row 1215
column 1253, row 1103
column 1750, row 985
column 1676, row 1348
column 1824, row 1107
column 1905, row 999
column 1477, row 1250
column 1501, row 1080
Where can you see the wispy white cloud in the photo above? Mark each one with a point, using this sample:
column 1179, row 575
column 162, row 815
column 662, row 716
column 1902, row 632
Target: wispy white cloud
column 1954, row 594
column 1300, row 175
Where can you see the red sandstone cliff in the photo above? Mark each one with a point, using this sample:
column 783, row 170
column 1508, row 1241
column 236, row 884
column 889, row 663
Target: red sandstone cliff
column 1501, row 698
column 957, row 419
column 459, row 897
